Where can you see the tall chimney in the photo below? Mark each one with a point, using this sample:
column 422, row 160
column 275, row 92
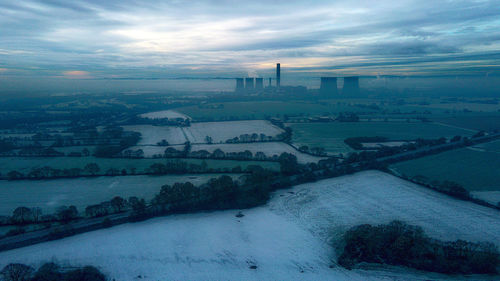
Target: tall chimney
column 278, row 75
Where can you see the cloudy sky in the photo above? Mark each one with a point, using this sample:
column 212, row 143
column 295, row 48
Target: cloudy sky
column 136, row 39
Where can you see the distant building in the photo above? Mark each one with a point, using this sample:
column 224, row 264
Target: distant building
column 249, row 84
column 278, row 75
column 270, row 83
column 259, row 83
column 239, row 85
column 328, row 86
column 351, row 85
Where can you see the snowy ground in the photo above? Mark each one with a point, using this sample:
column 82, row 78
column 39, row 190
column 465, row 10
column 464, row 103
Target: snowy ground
column 197, row 132
column 492, row 197
column 151, row 135
column 268, row 148
column 164, row 114
column 81, row 192
column 222, row 131
column 327, row 208
column 288, row 239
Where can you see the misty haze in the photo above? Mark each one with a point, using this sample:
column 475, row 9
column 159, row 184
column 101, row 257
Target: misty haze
column 249, row 140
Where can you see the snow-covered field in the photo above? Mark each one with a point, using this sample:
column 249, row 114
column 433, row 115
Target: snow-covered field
column 268, row 148
column 288, row 239
column 222, row 131
column 81, row 192
column 492, row 197
column 327, row 208
column 164, row 114
column 151, row 135
column 197, row 132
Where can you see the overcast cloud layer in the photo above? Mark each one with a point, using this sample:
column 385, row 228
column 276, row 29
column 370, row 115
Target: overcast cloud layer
column 128, row 38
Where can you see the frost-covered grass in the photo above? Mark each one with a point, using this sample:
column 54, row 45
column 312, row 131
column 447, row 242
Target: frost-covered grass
column 222, row 131
column 81, row 192
column 329, row 207
column 151, row 135
column 492, row 197
column 164, row 114
column 197, row 132
column 268, row 148
column 288, row 239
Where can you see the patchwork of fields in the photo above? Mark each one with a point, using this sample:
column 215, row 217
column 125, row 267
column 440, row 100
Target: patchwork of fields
column 331, row 136
column 477, row 168
column 294, row 237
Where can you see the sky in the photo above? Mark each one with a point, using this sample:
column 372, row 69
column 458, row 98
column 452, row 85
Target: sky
column 95, row 39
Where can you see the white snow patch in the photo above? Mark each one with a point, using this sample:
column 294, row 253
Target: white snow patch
column 492, row 197
column 164, row 114
column 222, row 131
column 329, row 207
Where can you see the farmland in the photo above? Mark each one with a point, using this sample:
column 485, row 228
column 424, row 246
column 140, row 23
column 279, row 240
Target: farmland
column 331, row 136
column 26, row 164
column 476, row 168
column 81, row 192
column 268, row 148
column 164, row 114
column 293, row 237
column 197, row 132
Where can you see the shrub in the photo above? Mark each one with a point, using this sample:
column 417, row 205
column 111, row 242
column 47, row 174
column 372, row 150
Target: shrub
column 400, row 244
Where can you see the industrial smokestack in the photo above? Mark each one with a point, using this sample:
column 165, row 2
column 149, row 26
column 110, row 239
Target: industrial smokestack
column 259, row 83
column 249, row 84
column 278, row 75
column 239, row 84
column 351, row 85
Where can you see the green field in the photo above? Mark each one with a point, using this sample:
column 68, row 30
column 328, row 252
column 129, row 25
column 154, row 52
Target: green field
column 26, row 164
column 476, row 168
column 81, row 192
column 331, row 136
column 484, row 122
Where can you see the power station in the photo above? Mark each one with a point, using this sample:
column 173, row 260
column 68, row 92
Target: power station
column 328, row 86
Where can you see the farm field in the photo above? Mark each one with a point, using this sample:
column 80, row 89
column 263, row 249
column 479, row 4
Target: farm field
column 81, row 192
column 164, row 114
column 264, row 109
column 331, row 136
column 197, row 132
column 484, row 122
column 476, row 168
column 151, row 135
column 222, row 131
column 292, row 238
column 329, row 207
column 268, row 148
column 26, row 164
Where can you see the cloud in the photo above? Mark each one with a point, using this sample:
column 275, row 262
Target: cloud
column 109, row 36
column 77, row 74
